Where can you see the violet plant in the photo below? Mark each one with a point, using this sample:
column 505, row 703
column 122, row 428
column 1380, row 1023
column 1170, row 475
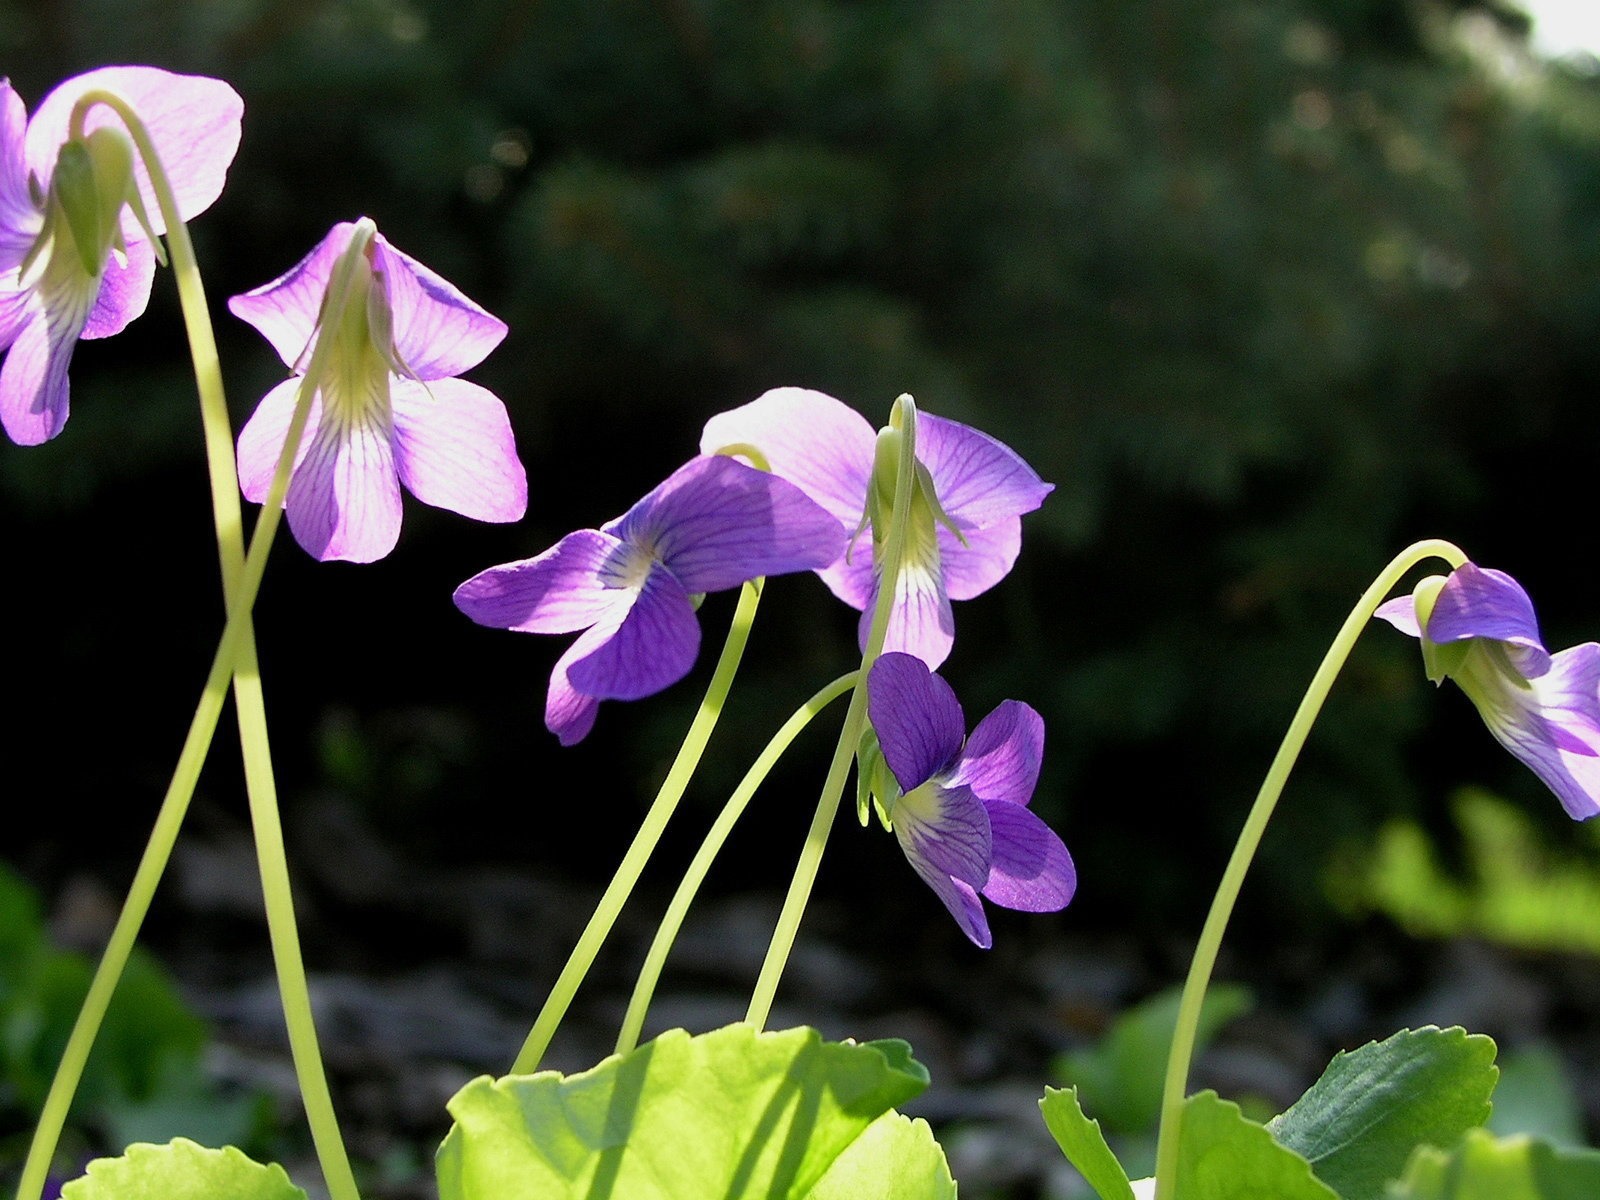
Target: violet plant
column 898, row 522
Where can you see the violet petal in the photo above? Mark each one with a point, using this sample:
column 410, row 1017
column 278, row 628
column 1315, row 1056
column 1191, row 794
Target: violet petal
column 124, row 292
column 1479, row 603
column 285, row 311
column 568, row 713
column 34, row 397
column 261, row 440
column 1553, row 726
column 1000, row 761
column 986, row 558
column 454, row 449
column 1030, row 869
column 344, row 498
column 559, row 591
column 916, row 716
column 652, row 648
column 20, row 220
column 438, row 332
column 978, row 479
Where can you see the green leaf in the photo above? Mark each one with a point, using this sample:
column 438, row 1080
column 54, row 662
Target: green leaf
column 1483, row 1167
column 181, row 1170
column 1084, row 1145
column 733, row 1113
column 895, row 1159
column 1224, row 1156
column 1360, row 1122
column 1535, row 1096
column 1120, row 1077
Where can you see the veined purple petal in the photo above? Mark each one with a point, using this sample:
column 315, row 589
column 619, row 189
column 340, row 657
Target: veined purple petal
column 944, row 831
column 823, row 447
column 716, row 523
column 962, row 901
column 1401, row 612
column 124, row 292
column 920, row 621
column 559, row 591
column 18, row 306
column 653, row 647
column 568, row 713
column 1479, row 603
column 1000, row 761
column 454, row 449
column 986, row 559
column 438, row 332
column 34, row 396
column 193, row 122
column 261, row 440
column 978, row 480
column 851, row 576
column 1030, row 869
column 344, row 498
column 285, row 311
column 20, row 220
column 917, row 718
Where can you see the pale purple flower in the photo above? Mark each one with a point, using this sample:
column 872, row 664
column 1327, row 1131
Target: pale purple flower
column 962, row 816
column 961, row 540
column 388, row 410
column 629, row 586
column 1478, row 628
column 60, row 281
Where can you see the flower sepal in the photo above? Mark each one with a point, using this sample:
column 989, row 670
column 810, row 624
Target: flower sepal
column 876, row 788
column 1440, row 660
column 92, row 183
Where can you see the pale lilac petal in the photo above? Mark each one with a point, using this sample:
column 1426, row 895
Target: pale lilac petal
column 262, row 438
column 34, row 397
column 1552, row 725
column 1030, row 868
column 344, row 498
column 978, row 480
column 18, row 306
column 124, row 292
column 286, row 310
column 1000, row 761
column 986, row 559
column 454, row 449
column 559, row 591
column 1478, row 603
column 193, row 122
column 920, row 622
column 653, row 647
column 823, row 447
column 716, row 523
column 1401, row 612
column 916, row 716
column 962, row 901
column 851, row 576
column 568, row 713
column 20, row 220
column 438, row 332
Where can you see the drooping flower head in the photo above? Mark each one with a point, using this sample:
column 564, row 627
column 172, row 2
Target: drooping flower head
column 1477, row 627
column 387, row 408
column 630, row 585
column 964, row 528
column 960, row 809
column 78, row 219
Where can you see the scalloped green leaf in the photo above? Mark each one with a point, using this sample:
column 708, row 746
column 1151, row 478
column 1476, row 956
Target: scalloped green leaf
column 897, row 1158
column 182, row 1170
column 1224, row 1156
column 1360, row 1122
column 1084, row 1144
column 730, row 1114
column 1484, row 1167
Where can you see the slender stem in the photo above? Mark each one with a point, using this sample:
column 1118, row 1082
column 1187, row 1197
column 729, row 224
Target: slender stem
column 805, row 872
column 1205, row 954
column 644, row 842
column 672, row 921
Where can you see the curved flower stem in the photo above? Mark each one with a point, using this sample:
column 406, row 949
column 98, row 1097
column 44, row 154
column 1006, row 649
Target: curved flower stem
column 672, row 921
column 1205, row 954
column 644, row 842
column 805, row 872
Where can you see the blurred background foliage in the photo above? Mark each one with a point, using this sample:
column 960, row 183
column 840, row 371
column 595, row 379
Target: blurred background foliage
column 1268, row 289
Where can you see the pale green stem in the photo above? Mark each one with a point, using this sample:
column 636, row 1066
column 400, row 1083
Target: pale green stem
column 1205, row 954
column 644, row 842
column 672, row 921
column 805, row 872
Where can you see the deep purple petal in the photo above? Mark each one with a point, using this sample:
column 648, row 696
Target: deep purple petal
column 454, row 449
column 438, row 332
column 944, row 831
column 823, row 447
column 917, row 718
column 1030, row 868
column 985, row 559
column 962, row 901
column 285, row 311
column 920, row 621
column 344, row 498
column 559, row 591
column 716, row 522
column 568, row 713
column 124, row 292
column 193, row 122
column 1401, row 612
column 261, row 440
column 1000, row 761
column 20, row 221
column 34, row 396
column 1479, row 603
column 653, row 647
column 978, row 480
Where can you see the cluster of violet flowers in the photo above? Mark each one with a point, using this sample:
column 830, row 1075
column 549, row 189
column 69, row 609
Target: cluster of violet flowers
column 898, row 522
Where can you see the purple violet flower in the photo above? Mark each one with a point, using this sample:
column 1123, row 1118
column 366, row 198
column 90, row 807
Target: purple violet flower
column 1544, row 708
column 388, row 409
column 962, row 816
column 630, row 585
column 963, row 538
column 77, row 216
